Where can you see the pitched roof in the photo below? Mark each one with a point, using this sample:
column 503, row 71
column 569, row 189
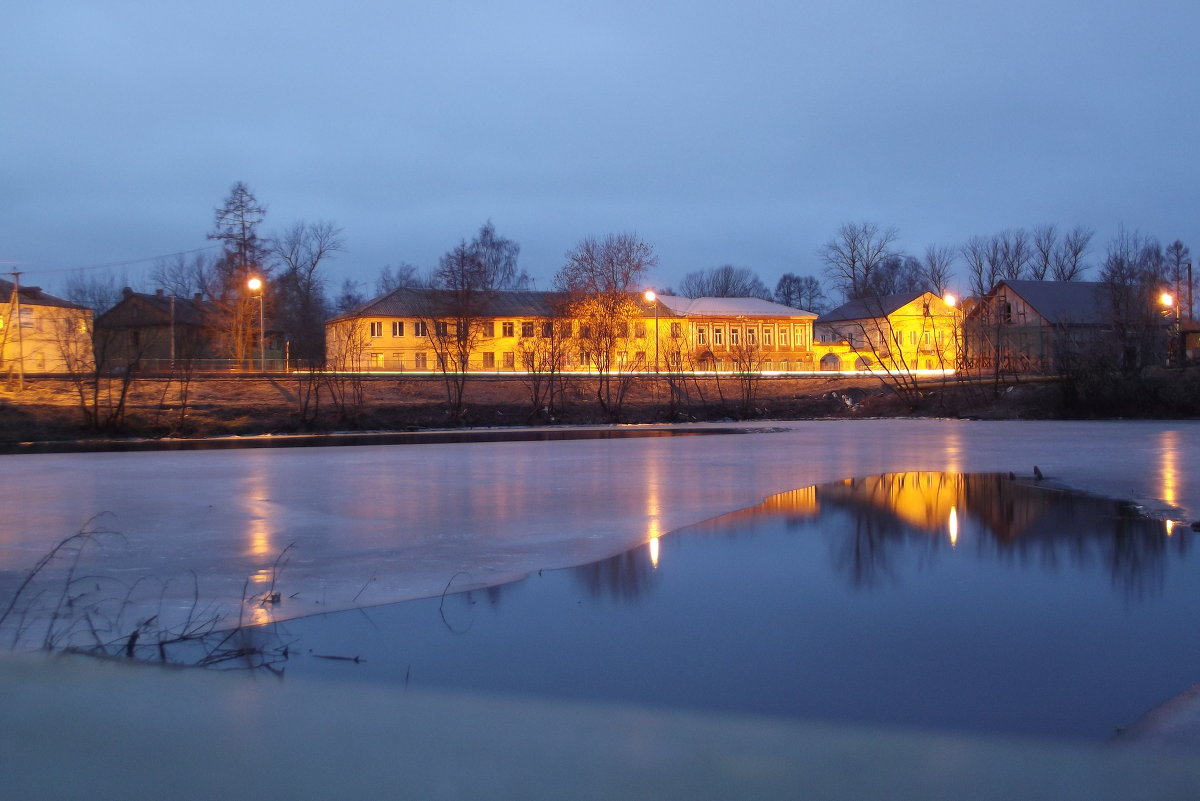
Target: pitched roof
column 157, row 310
column 730, row 307
column 869, row 308
column 1077, row 302
column 34, row 296
column 418, row 302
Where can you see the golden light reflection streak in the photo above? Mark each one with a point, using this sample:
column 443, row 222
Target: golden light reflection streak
column 260, row 545
column 653, row 505
column 1168, row 469
column 953, row 526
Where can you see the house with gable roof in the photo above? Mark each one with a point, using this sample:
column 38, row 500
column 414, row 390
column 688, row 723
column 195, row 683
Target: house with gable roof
column 906, row 332
column 41, row 333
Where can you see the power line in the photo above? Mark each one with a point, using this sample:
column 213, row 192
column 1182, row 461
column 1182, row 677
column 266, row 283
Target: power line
column 110, row 265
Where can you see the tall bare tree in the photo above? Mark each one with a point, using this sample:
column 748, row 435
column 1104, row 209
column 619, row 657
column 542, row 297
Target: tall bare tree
column 1068, row 256
column 392, row 278
column 1045, row 243
column 298, row 295
column 600, row 279
column 936, row 267
column 184, row 275
column 854, row 254
column 1133, row 273
column 455, row 318
column 498, row 259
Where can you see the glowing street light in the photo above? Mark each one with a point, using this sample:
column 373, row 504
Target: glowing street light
column 651, row 298
column 256, row 285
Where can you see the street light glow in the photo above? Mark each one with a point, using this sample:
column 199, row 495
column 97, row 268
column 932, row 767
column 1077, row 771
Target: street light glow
column 254, row 284
column 650, row 296
column 951, row 301
column 1167, row 299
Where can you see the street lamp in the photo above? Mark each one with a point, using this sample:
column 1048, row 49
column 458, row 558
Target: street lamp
column 1169, row 302
column 651, row 298
column 256, row 285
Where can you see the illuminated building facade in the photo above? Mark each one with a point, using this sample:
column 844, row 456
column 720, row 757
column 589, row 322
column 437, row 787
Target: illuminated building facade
column 40, row 333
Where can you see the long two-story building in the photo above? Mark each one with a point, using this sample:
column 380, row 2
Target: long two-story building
column 513, row 331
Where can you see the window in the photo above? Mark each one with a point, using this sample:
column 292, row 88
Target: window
column 397, row 361
column 676, row 361
column 640, row 357
column 585, row 332
column 421, row 360
column 701, row 336
column 507, row 329
column 735, row 336
column 397, row 328
column 510, row 360
column 489, row 360
column 676, row 330
column 565, row 329
column 639, row 330
column 548, row 330
column 623, row 330
column 376, row 328
column 783, row 337
column 767, row 336
column 420, row 329
column 377, row 358
column 489, row 329
column 526, row 329
column 442, row 328
column 751, row 336
column 718, row 336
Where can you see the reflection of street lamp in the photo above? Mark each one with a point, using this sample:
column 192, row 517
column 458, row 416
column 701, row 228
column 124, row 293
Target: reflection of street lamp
column 652, row 299
column 256, row 285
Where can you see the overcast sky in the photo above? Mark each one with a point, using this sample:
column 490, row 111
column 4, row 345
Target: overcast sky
column 739, row 133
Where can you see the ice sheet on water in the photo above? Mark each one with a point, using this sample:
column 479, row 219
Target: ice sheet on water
column 376, row 524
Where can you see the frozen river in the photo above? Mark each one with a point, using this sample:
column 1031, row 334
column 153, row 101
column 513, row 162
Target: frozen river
column 366, row 525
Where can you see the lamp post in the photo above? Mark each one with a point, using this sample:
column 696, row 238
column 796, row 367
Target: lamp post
column 952, row 301
column 256, row 285
column 652, row 299
column 1169, row 302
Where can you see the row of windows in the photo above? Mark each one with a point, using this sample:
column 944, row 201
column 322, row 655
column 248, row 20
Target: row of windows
column 508, row 361
column 768, row 335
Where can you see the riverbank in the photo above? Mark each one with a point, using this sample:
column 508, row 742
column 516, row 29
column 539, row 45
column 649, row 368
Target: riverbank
column 57, row 410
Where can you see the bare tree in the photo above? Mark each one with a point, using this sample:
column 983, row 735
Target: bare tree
column 298, row 294
column 185, row 276
column 349, row 297
column 725, row 281
column 894, row 275
column 800, row 292
column 498, row 259
column 600, row 279
column 96, row 291
column 1045, row 243
column 1014, row 252
column 982, row 265
column 1068, row 256
column 1133, row 272
column 937, row 266
column 854, row 254
column 392, row 278
column 1178, row 263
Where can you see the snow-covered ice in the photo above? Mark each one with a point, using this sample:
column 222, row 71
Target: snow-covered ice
column 376, row 524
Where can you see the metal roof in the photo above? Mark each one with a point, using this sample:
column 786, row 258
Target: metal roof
column 1063, row 302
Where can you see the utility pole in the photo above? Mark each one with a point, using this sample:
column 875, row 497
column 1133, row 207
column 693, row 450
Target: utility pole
column 16, row 305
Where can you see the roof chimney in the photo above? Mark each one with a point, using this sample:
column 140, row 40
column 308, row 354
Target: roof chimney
column 127, row 292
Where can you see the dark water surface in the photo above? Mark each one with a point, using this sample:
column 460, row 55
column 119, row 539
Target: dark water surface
column 957, row 602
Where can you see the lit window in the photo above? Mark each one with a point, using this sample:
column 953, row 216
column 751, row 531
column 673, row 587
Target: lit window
column 548, row 330
column 718, row 336
column 702, row 336
column 751, row 336
column 735, row 336
column 639, row 330
column 397, row 328
column 783, row 337
column 377, row 328
column 767, row 336
column 489, row 329
column 565, row 329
